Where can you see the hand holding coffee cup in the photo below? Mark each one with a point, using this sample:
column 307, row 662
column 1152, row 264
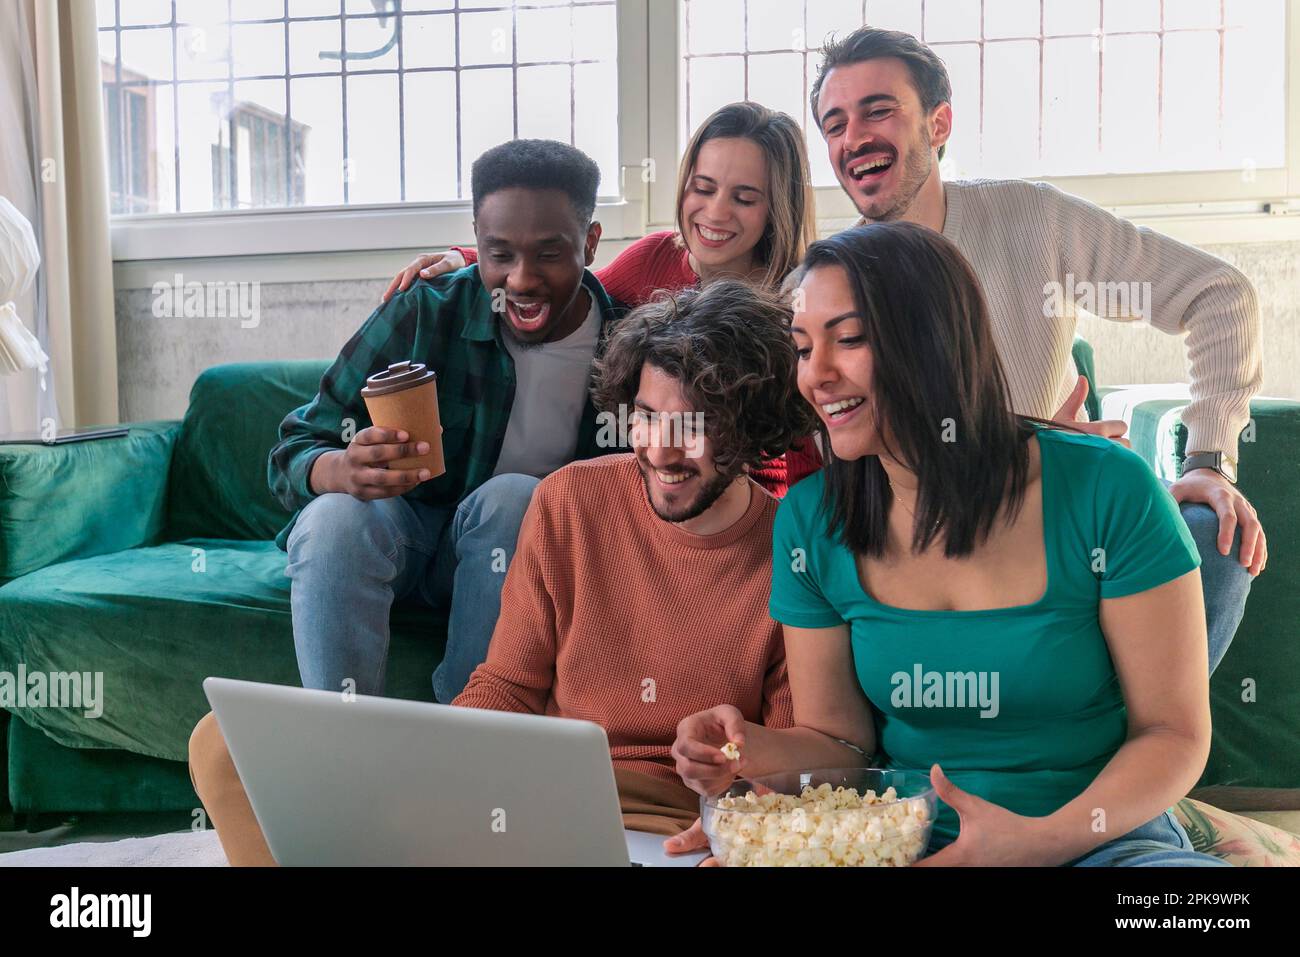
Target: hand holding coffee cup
column 366, row 469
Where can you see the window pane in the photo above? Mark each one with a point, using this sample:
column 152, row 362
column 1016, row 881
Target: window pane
column 372, row 43
column 308, row 40
column 203, row 52
column 774, row 24
column 317, row 103
column 1254, row 78
column 256, row 9
column 715, row 27
column 902, row 15
column 430, row 137
column 714, row 82
column 136, row 12
column 1191, row 100
column 963, row 152
column 1071, row 16
column 147, row 53
column 776, row 81
column 429, row 41
column 315, row 8
column 204, row 143
column 486, row 38
column 1191, row 14
column 1012, row 18
column 1010, row 140
column 257, row 49
column 596, row 85
column 952, row 20
column 481, row 129
column 832, row 16
column 544, row 35
column 1130, row 127
column 374, row 155
column 1071, row 112
column 595, row 32
column 1123, row 16
column 544, row 104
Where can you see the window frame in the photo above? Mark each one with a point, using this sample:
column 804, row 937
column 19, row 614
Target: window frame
column 1193, row 206
column 363, row 228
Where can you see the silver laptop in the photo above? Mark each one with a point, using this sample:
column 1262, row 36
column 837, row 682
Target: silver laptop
column 381, row 781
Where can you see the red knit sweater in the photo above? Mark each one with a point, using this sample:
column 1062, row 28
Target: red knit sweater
column 660, row 262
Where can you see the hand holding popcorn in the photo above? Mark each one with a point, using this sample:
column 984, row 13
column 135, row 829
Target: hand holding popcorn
column 701, row 762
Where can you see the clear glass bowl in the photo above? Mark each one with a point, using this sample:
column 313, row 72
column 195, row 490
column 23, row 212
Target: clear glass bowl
column 752, row 833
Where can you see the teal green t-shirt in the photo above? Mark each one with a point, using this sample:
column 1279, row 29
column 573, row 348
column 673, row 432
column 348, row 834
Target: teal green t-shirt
column 1021, row 706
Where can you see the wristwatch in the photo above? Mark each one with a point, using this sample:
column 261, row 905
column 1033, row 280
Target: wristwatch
column 1221, row 462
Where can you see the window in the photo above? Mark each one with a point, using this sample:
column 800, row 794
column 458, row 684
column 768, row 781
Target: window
column 244, row 104
column 1041, row 88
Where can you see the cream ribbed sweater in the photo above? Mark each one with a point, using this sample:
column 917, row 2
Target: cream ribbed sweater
column 1021, row 237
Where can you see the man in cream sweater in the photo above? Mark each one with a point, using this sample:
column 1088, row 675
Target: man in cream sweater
column 882, row 101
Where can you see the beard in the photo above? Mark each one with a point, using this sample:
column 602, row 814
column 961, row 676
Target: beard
column 917, row 166
column 709, row 493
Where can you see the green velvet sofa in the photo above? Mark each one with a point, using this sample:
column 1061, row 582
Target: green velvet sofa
column 150, row 559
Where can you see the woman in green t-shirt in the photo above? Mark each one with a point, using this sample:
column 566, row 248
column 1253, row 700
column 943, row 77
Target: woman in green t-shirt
column 1014, row 607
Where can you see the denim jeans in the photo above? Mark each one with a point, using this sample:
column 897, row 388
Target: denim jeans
column 350, row 560
column 1160, row 842
column 1224, row 582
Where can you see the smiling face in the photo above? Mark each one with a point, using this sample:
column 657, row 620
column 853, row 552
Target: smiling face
column 725, row 206
column 532, row 251
column 676, row 457
column 835, row 363
column 879, row 139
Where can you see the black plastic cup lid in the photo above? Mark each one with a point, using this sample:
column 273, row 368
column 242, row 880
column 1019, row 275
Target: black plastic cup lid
column 398, row 377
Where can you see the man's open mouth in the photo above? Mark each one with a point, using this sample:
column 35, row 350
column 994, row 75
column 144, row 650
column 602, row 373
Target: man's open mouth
column 870, row 168
column 528, row 315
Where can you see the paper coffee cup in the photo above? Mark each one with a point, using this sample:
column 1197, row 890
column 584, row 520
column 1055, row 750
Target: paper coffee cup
column 405, row 396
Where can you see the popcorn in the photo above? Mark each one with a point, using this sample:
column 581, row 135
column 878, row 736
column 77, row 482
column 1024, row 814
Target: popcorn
column 731, row 751
column 820, row 827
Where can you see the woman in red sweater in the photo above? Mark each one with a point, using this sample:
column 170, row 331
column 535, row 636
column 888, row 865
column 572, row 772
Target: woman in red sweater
column 744, row 209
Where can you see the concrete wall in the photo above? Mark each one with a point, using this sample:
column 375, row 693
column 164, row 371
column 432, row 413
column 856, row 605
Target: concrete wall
column 159, row 358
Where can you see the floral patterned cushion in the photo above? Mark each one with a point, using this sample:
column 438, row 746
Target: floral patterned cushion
column 1236, row 839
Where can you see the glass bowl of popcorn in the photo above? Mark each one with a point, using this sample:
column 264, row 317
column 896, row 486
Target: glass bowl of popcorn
column 836, row 817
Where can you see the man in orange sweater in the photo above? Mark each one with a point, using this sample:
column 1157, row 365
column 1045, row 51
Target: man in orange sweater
column 638, row 592
column 638, row 582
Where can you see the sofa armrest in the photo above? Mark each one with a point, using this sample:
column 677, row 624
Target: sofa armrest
column 1255, row 692
column 60, row 502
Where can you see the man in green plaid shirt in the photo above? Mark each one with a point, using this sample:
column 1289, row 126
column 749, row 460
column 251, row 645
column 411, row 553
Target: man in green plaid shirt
column 512, row 341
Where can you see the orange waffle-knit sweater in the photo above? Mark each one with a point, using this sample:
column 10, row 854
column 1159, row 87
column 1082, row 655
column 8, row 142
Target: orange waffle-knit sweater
column 613, row 615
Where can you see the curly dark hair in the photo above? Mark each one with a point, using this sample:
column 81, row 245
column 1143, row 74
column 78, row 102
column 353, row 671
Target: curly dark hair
column 729, row 346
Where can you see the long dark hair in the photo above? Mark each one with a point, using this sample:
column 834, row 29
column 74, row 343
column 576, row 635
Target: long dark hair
column 939, row 391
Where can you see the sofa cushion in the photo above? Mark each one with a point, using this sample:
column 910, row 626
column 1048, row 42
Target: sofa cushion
column 1236, row 839
column 1255, row 691
column 218, row 483
column 82, row 498
column 157, row 621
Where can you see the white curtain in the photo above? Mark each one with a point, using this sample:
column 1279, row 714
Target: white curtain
column 53, row 169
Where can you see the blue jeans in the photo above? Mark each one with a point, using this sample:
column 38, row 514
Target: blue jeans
column 350, row 560
column 1160, row 842
column 1224, row 582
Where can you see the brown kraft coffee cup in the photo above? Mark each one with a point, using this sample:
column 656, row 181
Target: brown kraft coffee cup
column 405, row 396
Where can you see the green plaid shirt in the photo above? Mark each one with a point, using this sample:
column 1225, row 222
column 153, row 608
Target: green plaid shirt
column 447, row 324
